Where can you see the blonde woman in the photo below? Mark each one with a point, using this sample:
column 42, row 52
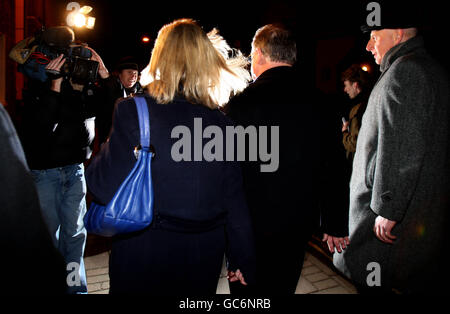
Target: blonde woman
column 200, row 211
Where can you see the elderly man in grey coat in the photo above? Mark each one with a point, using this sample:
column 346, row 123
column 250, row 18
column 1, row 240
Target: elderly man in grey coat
column 399, row 190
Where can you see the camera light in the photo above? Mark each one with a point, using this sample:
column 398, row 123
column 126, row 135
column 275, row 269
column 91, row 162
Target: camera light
column 79, row 20
column 90, row 22
column 79, row 16
column 365, row 68
column 86, row 10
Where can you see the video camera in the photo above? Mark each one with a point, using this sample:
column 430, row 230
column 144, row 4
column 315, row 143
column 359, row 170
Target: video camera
column 34, row 55
column 78, row 65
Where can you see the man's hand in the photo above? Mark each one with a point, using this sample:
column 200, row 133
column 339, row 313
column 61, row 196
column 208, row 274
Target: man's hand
column 101, row 69
column 336, row 242
column 236, row 276
column 383, row 228
column 55, row 66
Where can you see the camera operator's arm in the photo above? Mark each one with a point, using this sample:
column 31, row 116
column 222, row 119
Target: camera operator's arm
column 102, row 70
column 55, row 65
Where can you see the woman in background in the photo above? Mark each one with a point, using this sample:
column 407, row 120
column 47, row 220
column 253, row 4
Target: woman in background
column 199, row 207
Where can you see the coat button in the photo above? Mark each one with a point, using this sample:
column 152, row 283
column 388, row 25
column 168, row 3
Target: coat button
column 386, row 197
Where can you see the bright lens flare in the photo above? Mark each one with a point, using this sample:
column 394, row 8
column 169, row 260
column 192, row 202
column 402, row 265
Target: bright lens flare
column 90, row 22
column 78, row 16
column 85, row 10
column 79, row 20
column 365, row 68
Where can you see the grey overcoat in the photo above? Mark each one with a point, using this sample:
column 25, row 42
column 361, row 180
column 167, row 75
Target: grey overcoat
column 401, row 172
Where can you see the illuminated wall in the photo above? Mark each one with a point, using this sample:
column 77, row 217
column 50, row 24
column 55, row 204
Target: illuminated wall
column 7, row 40
column 21, row 19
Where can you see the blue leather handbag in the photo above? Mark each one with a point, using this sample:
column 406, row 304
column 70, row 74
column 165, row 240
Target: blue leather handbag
column 131, row 208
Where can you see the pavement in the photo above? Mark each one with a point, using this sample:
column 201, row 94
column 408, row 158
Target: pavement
column 316, row 277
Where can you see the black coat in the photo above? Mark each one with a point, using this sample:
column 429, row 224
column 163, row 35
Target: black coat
column 285, row 199
column 335, row 169
column 190, row 196
column 57, row 128
column 30, row 264
column 283, row 204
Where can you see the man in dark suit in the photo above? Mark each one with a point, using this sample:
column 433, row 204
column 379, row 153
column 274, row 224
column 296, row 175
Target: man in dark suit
column 282, row 202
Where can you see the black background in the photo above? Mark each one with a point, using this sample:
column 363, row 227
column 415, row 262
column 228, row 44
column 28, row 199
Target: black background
column 120, row 25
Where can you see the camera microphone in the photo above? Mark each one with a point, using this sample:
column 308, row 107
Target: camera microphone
column 59, row 36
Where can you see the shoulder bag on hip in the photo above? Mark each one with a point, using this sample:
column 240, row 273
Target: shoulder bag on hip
column 131, row 208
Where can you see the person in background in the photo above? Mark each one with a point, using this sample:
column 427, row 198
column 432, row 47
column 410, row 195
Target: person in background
column 357, row 85
column 200, row 210
column 122, row 83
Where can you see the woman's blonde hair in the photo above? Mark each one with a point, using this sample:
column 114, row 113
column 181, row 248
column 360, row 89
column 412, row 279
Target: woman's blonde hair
column 187, row 61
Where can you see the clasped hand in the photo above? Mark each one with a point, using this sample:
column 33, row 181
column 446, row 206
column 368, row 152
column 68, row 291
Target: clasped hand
column 383, row 228
column 236, row 276
column 338, row 243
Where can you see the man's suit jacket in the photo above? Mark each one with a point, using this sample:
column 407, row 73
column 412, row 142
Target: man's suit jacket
column 284, row 200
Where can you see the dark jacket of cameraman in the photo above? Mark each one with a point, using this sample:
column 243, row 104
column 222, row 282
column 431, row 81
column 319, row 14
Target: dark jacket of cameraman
column 58, row 128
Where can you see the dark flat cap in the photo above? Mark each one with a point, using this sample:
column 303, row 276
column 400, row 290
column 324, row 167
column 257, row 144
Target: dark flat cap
column 127, row 63
column 127, row 66
column 392, row 15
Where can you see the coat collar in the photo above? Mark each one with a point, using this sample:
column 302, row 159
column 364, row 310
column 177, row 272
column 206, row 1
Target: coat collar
column 400, row 50
column 274, row 72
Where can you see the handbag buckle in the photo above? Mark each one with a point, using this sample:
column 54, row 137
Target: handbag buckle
column 150, row 149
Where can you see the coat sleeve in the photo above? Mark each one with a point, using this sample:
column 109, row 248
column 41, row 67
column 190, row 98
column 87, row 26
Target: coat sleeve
column 240, row 250
column 403, row 125
column 116, row 158
column 240, row 242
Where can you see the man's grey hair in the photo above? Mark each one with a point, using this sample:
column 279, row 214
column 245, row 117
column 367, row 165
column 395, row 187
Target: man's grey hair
column 277, row 43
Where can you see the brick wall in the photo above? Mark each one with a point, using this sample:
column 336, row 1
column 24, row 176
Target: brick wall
column 7, row 29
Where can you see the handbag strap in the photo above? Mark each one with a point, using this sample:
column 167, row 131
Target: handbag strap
column 144, row 121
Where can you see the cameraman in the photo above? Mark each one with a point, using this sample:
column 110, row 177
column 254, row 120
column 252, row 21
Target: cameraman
column 57, row 136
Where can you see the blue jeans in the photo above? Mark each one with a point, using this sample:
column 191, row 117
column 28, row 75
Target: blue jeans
column 62, row 194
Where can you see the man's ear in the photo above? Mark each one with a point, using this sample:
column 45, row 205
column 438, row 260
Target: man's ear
column 261, row 58
column 398, row 36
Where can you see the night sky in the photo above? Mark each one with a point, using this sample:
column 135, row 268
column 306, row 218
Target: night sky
column 121, row 24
